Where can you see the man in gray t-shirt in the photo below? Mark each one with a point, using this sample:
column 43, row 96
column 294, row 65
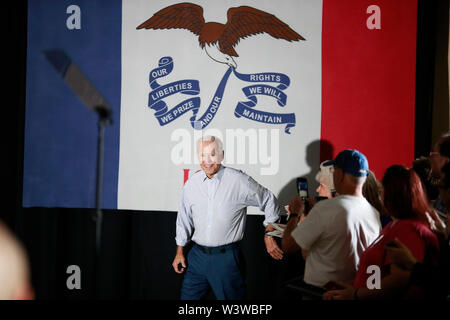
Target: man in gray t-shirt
column 336, row 231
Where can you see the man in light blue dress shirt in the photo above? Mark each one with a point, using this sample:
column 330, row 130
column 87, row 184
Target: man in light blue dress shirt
column 212, row 213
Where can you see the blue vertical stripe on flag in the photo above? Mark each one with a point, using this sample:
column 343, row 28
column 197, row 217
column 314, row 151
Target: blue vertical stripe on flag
column 60, row 132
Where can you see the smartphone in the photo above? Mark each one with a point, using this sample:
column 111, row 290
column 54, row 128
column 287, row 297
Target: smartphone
column 302, row 187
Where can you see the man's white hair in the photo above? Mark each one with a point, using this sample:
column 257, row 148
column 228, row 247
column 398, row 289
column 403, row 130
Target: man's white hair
column 218, row 145
column 217, row 142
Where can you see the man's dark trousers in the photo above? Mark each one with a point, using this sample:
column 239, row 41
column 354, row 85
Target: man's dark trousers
column 221, row 268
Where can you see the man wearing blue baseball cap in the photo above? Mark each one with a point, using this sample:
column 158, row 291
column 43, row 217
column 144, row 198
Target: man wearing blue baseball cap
column 336, row 231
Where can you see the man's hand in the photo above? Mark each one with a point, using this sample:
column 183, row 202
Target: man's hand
column 179, row 263
column 272, row 248
column 296, row 206
column 309, row 203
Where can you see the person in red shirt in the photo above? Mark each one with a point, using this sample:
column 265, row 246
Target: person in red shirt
column 407, row 204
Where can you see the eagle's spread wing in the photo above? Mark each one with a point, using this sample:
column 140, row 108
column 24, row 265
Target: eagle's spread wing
column 246, row 21
column 178, row 16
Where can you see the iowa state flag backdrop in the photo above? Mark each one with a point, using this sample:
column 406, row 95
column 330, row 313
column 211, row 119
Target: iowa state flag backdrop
column 285, row 85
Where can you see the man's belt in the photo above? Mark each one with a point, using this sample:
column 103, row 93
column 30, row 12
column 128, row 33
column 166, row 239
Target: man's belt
column 219, row 249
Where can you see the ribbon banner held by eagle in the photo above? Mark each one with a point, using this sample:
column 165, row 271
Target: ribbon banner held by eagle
column 218, row 41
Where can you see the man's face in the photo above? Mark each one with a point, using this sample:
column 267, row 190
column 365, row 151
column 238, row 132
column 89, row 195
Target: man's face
column 209, row 159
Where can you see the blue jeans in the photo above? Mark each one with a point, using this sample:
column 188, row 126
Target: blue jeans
column 222, row 269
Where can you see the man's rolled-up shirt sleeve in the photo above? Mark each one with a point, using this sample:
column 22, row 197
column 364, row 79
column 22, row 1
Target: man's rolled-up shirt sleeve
column 184, row 224
column 264, row 199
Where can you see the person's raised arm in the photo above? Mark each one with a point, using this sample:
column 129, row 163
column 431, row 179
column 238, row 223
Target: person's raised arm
column 295, row 211
column 304, row 228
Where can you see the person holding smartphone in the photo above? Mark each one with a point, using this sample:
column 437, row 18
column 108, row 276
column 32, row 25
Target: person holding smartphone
column 333, row 235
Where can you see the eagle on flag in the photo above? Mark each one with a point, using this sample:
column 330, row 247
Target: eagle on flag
column 218, row 40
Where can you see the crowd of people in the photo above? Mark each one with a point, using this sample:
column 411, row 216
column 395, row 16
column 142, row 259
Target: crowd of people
column 376, row 240
column 360, row 238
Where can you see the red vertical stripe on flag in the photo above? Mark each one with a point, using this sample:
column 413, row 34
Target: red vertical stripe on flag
column 368, row 80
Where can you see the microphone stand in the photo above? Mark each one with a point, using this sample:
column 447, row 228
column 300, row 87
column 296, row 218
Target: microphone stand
column 93, row 100
column 104, row 119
